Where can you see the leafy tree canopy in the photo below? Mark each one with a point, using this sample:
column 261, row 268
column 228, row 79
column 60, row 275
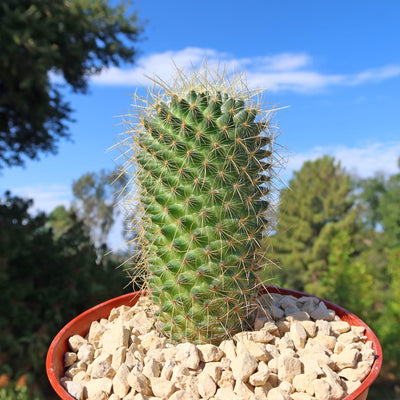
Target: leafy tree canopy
column 381, row 196
column 72, row 38
column 45, row 281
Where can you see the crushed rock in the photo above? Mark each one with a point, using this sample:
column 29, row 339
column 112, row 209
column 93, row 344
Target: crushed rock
column 303, row 352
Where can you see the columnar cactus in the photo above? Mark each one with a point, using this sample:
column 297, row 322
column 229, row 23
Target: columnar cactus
column 203, row 151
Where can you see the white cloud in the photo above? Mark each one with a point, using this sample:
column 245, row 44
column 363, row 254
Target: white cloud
column 284, row 71
column 46, row 197
column 375, row 75
column 362, row 161
column 158, row 64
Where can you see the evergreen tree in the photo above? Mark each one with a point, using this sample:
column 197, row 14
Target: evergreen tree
column 318, row 202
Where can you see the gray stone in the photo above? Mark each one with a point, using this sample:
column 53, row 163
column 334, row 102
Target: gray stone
column 322, row 312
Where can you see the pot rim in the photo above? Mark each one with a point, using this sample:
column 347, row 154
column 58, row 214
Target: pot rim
column 81, row 323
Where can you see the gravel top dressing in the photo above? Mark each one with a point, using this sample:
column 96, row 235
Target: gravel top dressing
column 304, row 352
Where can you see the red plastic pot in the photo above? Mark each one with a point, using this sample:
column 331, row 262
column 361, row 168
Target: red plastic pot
column 81, row 324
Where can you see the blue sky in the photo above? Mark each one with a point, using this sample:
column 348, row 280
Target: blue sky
column 334, row 64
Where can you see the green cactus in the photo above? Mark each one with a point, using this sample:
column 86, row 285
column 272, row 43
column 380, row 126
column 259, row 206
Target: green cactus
column 203, row 149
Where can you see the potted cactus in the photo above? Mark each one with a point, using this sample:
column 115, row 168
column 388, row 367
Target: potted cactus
column 202, row 154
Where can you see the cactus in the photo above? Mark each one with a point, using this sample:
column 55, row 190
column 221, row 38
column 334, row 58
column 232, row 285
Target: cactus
column 202, row 149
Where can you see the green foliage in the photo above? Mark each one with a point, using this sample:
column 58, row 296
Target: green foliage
column 337, row 237
column 11, row 392
column 72, row 38
column 381, row 196
column 389, row 322
column 45, row 281
column 349, row 280
column 205, row 149
column 60, row 220
column 317, row 203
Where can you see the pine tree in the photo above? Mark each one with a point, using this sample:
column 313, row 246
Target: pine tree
column 318, row 202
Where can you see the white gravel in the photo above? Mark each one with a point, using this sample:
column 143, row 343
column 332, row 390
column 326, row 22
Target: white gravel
column 305, row 352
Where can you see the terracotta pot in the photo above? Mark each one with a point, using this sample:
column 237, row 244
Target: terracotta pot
column 80, row 325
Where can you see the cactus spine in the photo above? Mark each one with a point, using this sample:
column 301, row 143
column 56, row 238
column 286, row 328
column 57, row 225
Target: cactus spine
column 203, row 152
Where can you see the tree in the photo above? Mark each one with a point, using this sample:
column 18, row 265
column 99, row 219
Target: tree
column 381, row 196
column 72, row 38
column 318, row 202
column 380, row 200
column 60, row 220
column 96, row 196
column 347, row 275
column 388, row 324
column 44, row 282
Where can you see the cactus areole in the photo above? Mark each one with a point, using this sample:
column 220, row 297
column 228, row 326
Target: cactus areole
column 202, row 151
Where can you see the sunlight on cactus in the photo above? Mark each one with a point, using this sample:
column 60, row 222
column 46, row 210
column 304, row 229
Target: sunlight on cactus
column 201, row 158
